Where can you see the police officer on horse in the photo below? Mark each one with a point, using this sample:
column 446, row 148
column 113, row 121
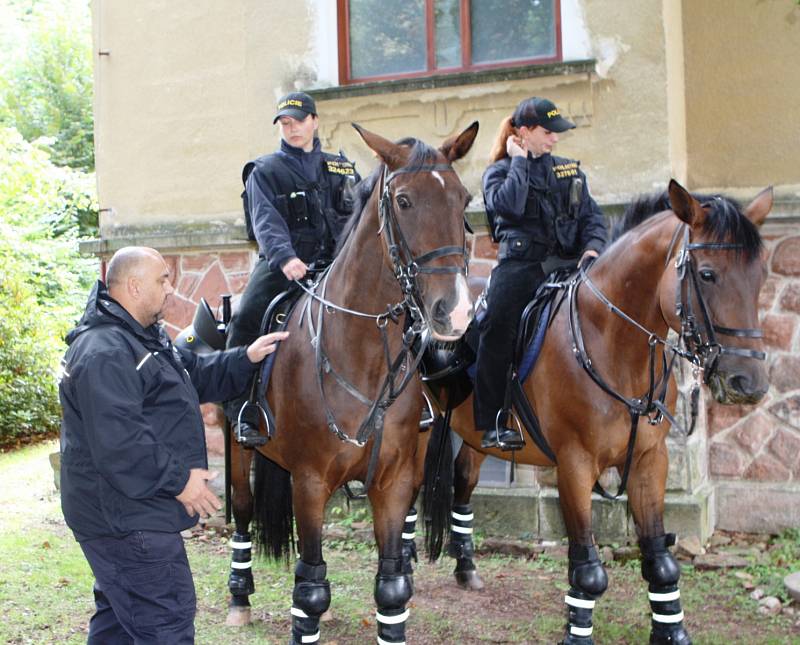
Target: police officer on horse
column 297, row 200
column 541, row 212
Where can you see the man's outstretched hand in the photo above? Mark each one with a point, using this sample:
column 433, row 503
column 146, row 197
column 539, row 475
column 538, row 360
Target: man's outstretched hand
column 265, row 345
column 197, row 498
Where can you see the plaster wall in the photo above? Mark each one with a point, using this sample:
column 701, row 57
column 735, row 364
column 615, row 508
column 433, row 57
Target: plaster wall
column 742, row 92
column 182, row 91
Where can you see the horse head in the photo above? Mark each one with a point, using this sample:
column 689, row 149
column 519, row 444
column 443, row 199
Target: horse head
column 421, row 206
column 711, row 297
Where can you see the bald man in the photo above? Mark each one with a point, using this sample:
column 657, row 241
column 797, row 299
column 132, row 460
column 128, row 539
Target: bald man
column 134, row 470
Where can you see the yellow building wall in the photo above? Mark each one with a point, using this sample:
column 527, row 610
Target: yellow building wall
column 742, row 92
column 184, row 95
column 702, row 90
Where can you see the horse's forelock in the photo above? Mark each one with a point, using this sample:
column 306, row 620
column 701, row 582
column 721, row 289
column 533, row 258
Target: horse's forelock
column 724, row 221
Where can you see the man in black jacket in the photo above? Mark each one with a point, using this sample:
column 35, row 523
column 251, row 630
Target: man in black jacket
column 134, row 470
column 299, row 198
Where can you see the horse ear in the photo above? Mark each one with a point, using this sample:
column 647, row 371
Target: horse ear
column 760, row 207
column 457, row 146
column 686, row 207
column 392, row 154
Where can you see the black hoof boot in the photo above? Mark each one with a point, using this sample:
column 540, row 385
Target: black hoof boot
column 665, row 636
column 503, row 438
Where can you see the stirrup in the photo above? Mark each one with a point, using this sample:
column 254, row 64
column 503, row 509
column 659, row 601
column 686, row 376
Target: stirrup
column 428, row 416
column 247, row 433
column 505, row 438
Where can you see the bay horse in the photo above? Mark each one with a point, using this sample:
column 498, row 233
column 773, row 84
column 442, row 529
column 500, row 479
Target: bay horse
column 603, row 392
column 344, row 390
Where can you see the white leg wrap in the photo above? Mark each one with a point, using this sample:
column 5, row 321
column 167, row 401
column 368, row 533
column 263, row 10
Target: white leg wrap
column 461, row 529
column 462, row 518
column 580, row 631
column 664, row 597
column 579, row 602
column 392, row 620
column 668, row 618
column 242, row 565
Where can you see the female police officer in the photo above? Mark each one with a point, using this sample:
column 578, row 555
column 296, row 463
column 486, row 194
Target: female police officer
column 540, row 209
column 298, row 198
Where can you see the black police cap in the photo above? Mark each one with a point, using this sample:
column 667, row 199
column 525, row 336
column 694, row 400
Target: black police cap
column 539, row 111
column 297, row 105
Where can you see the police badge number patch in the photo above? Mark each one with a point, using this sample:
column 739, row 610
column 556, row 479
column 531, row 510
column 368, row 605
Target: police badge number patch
column 340, row 167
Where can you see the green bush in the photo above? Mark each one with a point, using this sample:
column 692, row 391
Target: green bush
column 43, row 280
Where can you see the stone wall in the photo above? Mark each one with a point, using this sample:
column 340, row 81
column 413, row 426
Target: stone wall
column 754, row 452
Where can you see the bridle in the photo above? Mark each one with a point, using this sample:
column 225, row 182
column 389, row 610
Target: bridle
column 701, row 339
column 697, row 343
column 406, row 268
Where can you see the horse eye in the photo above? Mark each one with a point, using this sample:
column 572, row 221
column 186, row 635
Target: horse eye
column 403, row 201
column 707, row 275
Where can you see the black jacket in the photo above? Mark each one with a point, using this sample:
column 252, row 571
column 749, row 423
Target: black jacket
column 299, row 202
column 529, row 198
column 132, row 426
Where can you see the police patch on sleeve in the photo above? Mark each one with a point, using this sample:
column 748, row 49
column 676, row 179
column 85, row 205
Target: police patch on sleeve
column 340, row 167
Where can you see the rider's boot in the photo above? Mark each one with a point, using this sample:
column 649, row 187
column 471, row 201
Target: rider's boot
column 246, row 428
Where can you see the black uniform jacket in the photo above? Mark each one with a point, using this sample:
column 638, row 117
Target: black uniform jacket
column 304, row 221
column 529, row 198
column 132, row 426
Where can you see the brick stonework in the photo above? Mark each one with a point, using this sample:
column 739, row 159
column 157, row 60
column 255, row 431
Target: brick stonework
column 761, row 443
column 204, row 275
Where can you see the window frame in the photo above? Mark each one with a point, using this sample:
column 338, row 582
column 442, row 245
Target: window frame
column 343, row 30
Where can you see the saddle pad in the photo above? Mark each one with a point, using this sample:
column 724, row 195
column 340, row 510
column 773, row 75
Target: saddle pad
column 535, row 346
column 528, row 359
column 283, row 303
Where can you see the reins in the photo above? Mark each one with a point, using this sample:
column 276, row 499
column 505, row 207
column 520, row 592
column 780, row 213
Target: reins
column 406, row 268
column 700, row 346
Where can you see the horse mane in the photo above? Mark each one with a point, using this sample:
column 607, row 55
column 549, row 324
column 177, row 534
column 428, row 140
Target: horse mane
column 725, row 221
column 421, row 155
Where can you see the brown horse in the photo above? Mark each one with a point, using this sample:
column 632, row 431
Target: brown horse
column 344, row 390
column 696, row 269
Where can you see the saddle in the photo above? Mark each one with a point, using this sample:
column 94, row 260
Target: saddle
column 449, row 371
column 206, row 334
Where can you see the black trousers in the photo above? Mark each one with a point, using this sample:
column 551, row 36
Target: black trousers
column 262, row 287
column 513, row 284
column 143, row 590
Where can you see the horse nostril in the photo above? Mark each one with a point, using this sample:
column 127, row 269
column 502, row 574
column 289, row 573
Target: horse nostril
column 740, row 383
column 440, row 312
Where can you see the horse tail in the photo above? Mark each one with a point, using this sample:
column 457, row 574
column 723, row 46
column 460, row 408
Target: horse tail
column 437, row 496
column 273, row 518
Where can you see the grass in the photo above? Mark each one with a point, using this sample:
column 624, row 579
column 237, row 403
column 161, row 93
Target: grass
column 45, row 587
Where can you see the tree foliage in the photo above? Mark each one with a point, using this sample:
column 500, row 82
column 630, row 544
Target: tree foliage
column 46, row 83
